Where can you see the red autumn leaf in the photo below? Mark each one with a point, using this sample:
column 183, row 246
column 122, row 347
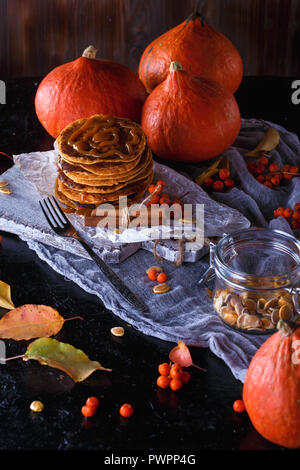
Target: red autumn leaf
column 181, row 355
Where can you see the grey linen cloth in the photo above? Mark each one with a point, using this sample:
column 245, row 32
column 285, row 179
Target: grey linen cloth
column 186, row 313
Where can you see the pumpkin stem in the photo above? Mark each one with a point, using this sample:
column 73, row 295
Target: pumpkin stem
column 175, row 66
column 90, row 52
column 194, row 16
column 287, row 327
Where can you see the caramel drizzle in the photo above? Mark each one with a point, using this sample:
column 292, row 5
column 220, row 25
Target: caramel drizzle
column 102, row 138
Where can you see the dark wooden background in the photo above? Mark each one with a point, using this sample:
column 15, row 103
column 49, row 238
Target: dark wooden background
column 37, row 35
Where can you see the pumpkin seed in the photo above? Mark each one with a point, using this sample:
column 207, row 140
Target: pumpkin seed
column 260, row 305
column 250, row 304
column 286, row 312
column 37, row 406
column 161, row 288
column 237, row 304
column 117, row 331
column 275, row 316
column 230, row 318
column 3, row 183
column 246, row 321
column 270, row 303
column 226, row 310
column 267, row 323
column 158, row 269
column 5, row 190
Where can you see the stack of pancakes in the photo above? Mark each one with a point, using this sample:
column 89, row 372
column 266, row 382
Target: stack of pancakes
column 101, row 159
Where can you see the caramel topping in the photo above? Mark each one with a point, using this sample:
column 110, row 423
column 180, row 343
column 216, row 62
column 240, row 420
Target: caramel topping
column 104, row 136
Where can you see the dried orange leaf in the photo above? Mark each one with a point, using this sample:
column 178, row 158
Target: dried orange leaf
column 181, row 355
column 268, row 143
column 30, row 321
column 5, row 296
column 63, row 356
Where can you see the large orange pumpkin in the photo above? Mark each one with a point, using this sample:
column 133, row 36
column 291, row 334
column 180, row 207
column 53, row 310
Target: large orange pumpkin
column 188, row 118
column 85, row 87
column 271, row 391
column 199, row 48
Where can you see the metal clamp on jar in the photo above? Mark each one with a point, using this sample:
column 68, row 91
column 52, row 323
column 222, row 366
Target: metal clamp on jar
column 257, row 279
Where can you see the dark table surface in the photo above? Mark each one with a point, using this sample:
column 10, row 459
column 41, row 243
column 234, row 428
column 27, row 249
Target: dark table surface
column 198, row 417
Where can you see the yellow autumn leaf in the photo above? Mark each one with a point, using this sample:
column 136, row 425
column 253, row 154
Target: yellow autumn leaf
column 268, row 143
column 5, row 296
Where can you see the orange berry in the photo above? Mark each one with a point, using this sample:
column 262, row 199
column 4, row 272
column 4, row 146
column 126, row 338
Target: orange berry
column 296, row 215
column 279, row 212
column 164, row 200
column 152, row 274
column 294, row 169
column 92, row 401
column 224, row 174
column 163, row 381
column 218, row 185
column 88, row 411
column 152, row 188
column 176, row 371
column 251, row 167
column 260, row 169
column 261, row 178
column 263, row 161
column 126, row 410
column 268, row 184
column 239, row 406
column 176, row 384
column 229, row 183
column 297, row 206
column 208, row 182
column 164, row 368
column 287, row 213
column 162, row 277
column 161, row 183
column 275, row 180
column 185, row 376
column 273, row 167
column 295, row 224
column 154, row 199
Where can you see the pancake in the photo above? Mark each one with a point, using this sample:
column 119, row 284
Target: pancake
column 87, row 209
column 98, row 198
column 80, row 175
column 106, row 186
column 102, row 159
column 100, row 137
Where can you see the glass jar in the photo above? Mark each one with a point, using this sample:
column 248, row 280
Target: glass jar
column 257, row 281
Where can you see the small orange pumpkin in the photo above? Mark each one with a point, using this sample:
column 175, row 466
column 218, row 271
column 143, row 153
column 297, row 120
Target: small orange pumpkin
column 271, row 391
column 88, row 86
column 201, row 50
column 188, row 118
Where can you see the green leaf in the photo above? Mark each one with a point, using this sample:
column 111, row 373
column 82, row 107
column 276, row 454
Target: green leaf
column 63, row 356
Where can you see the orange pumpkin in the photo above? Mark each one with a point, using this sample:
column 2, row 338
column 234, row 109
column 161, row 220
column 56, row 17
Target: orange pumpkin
column 271, row 390
column 188, row 118
column 85, row 87
column 201, row 49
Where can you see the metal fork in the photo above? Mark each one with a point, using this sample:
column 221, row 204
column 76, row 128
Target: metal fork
column 63, row 227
